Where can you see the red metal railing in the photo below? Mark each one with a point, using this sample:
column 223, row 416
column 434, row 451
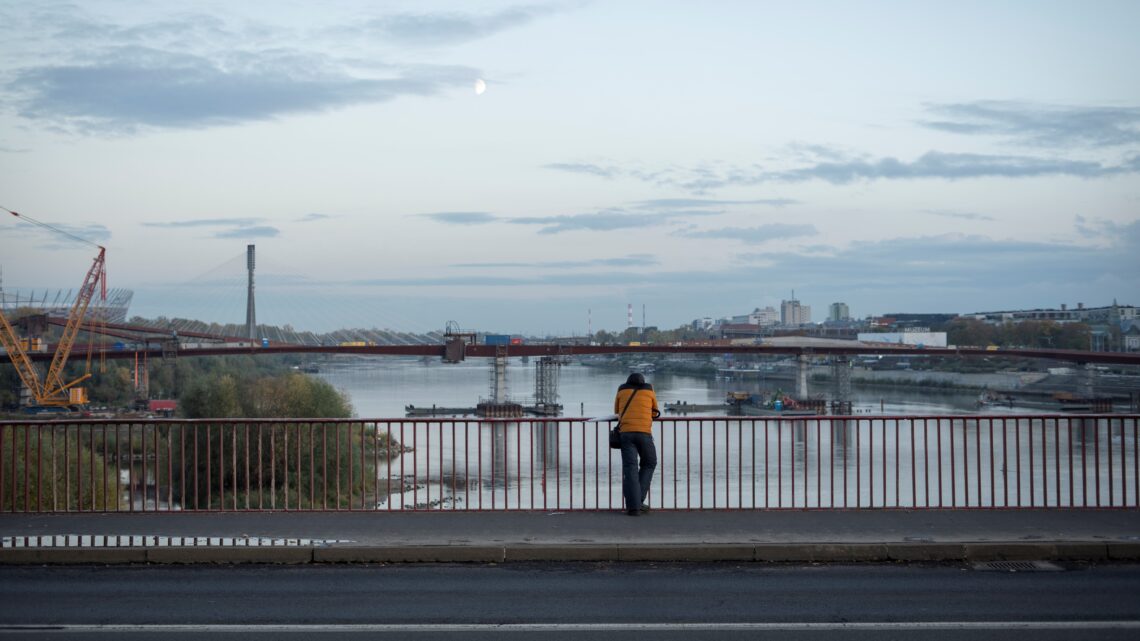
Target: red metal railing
column 1006, row 461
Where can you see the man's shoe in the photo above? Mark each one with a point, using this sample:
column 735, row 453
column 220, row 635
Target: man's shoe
column 644, row 509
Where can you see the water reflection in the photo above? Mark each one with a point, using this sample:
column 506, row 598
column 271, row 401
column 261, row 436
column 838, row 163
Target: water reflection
column 778, row 463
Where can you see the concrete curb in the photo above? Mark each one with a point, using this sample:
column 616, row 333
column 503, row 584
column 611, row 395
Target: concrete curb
column 40, row 556
column 722, row 552
column 766, row 552
column 540, row 552
column 279, row 555
column 1124, row 551
column 926, row 551
column 411, row 554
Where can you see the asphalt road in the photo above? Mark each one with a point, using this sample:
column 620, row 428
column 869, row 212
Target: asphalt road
column 569, row 601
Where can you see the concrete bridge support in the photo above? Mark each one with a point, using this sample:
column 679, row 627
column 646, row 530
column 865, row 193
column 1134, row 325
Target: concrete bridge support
column 841, row 374
column 803, row 364
column 499, row 392
column 1087, row 385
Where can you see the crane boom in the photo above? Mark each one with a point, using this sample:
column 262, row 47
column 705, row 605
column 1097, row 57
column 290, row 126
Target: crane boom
column 53, row 391
column 23, row 364
column 54, row 385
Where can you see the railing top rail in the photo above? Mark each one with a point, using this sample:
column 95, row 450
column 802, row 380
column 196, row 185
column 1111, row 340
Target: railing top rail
column 569, row 419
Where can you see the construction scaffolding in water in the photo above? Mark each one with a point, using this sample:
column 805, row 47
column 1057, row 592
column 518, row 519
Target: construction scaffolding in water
column 546, row 374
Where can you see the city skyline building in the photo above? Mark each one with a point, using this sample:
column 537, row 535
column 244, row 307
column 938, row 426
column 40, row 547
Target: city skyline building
column 839, row 312
column 793, row 313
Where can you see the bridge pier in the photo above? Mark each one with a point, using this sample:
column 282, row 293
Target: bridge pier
column 499, row 391
column 546, row 376
column 802, row 366
column 841, row 374
column 1087, row 385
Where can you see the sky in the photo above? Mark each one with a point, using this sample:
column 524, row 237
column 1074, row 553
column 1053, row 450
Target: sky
column 688, row 159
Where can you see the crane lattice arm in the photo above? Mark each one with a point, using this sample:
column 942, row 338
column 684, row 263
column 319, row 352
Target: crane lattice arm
column 19, row 357
column 53, row 391
column 54, row 385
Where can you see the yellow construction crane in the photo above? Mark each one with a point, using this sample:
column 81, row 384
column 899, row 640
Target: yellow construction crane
column 52, row 391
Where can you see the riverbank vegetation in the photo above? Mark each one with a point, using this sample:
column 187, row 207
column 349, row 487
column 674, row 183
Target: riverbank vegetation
column 53, row 468
column 236, row 457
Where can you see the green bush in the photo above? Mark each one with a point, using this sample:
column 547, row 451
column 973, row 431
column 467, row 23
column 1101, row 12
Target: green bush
column 241, row 465
column 53, row 467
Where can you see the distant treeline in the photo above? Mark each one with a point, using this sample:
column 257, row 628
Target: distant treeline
column 959, row 331
column 1031, row 334
column 239, row 386
column 228, row 462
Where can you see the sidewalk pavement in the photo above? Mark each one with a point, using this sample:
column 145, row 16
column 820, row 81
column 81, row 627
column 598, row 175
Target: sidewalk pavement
column 483, row 537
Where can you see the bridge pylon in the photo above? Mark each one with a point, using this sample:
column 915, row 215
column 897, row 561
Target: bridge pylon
column 250, row 307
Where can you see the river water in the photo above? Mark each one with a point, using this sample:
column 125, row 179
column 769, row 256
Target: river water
column 382, row 387
column 988, row 459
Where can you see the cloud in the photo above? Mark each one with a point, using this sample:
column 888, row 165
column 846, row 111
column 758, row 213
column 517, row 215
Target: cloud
column 441, row 281
column 760, row 234
column 936, row 165
column 585, row 168
column 930, row 265
column 958, row 260
column 933, row 165
column 260, row 231
column 310, row 218
column 807, row 152
column 433, row 29
column 13, row 150
column 62, row 23
column 207, row 222
column 948, row 166
column 948, row 273
column 1107, row 230
column 238, row 227
column 80, row 234
column 706, row 202
column 697, row 181
column 462, row 217
column 957, row 214
column 126, row 89
column 633, row 260
column 1041, row 125
column 605, row 220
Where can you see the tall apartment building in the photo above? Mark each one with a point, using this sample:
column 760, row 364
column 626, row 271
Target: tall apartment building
column 838, row 312
column 765, row 317
column 793, row 313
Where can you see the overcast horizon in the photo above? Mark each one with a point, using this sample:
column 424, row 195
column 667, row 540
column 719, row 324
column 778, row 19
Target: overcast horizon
column 535, row 168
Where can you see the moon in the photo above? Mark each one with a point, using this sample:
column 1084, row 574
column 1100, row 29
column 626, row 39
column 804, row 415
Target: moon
column 480, row 86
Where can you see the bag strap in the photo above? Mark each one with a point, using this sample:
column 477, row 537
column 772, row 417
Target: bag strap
column 622, row 415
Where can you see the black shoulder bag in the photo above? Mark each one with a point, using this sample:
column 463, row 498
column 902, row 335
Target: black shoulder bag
column 615, row 432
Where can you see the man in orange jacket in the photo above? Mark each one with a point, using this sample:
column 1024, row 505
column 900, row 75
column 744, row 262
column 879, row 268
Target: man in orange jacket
column 636, row 404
